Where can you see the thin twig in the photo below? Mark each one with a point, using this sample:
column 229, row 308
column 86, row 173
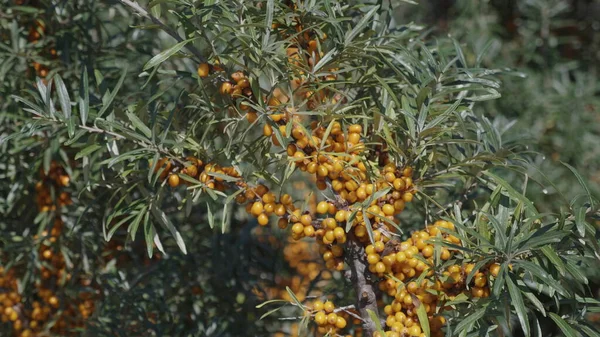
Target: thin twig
column 144, row 13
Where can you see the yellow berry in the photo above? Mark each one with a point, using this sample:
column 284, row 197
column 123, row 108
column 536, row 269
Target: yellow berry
column 263, row 219
column 173, row 180
column 323, row 207
column 203, row 70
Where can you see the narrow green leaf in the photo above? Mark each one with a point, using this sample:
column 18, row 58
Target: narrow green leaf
column 423, row 320
column 550, row 253
column 136, row 222
column 375, row 318
column 581, row 182
column 113, row 93
column 517, row 302
column 269, row 302
column 87, row 150
column 369, row 228
column 165, row 54
column 165, row 221
column 148, row 236
column 294, row 298
column 211, row 219
column 364, row 21
column 270, row 312
column 63, row 97
column 564, row 326
column 84, row 96
column 512, row 192
column 470, row 319
column 138, row 124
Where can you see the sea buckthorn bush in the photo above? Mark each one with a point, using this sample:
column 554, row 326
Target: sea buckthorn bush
column 284, row 168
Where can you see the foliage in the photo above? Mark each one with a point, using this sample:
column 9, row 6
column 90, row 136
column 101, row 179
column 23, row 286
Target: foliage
column 153, row 137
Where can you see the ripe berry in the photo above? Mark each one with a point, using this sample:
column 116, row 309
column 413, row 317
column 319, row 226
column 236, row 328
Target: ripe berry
column 323, row 207
column 321, row 318
column 267, row 130
column 263, row 219
column 495, row 269
column 340, row 322
column 226, row 88
column 173, row 180
column 203, row 70
column 257, row 208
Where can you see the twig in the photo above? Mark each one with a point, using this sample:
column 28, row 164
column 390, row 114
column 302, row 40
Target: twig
column 144, row 13
column 96, row 130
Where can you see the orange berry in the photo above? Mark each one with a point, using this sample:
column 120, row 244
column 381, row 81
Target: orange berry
column 340, row 323
column 257, row 208
column 321, row 318
column 263, row 219
column 226, row 88
column 203, row 70
column 495, row 269
column 251, row 117
column 267, row 130
column 388, row 209
column 323, row 207
column 173, row 180
column 297, row 228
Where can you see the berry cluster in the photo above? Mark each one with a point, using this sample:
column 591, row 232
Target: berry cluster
column 10, row 300
column 408, row 261
column 328, row 319
column 37, row 30
column 48, row 303
column 211, row 175
column 369, row 191
column 52, row 184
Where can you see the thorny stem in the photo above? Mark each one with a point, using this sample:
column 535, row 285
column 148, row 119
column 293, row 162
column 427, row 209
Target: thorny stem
column 365, row 290
column 144, row 13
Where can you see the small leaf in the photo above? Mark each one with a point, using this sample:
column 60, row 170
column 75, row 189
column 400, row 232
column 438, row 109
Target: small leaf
column 269, row 302
column 470, row 319
column 375, row 320
column 364, row 21
column 113, row 93
column 84, row 96
column 517, row 302
column 563, row 325
column 294, row 298
column 86, row 151
column 211, row 220
column 148, row 235
column 138, row 124
column 423, row 320
column 63, row 97
column 581, row 182
column 165, row 221
column 136, row 222
column 165, row 54
column 554, row 258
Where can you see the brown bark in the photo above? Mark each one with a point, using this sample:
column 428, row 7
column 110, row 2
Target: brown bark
column 360, row 277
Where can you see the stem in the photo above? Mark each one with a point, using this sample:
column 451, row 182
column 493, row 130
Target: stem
column 365, row 290
column 144, row 13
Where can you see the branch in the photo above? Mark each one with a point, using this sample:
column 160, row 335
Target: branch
column 365, row 290
column 144, row 13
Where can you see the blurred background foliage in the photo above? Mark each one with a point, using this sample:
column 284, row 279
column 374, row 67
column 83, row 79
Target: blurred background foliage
column 555, row 44
column 550, row 102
